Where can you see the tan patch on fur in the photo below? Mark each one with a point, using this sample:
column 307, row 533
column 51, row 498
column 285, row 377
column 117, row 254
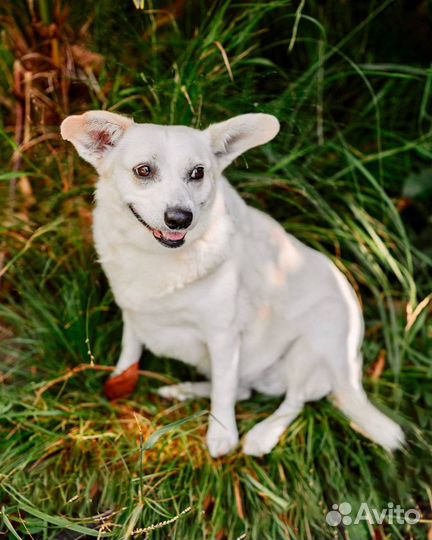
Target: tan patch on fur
column 264, row 312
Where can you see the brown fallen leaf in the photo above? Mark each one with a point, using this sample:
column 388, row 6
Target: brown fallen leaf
column 122, row 385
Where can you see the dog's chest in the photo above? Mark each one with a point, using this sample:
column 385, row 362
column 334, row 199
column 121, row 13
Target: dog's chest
column 172, row 329
column 137, row 278
column 138, row 283
column 169, row 305
column 176, row 324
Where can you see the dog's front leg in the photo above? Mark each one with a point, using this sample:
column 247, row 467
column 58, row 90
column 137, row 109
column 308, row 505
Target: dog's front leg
column 222, row 434
column 125, row 376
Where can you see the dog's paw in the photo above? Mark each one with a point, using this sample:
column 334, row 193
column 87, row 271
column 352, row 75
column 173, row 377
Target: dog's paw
column 221, row 439
column 175, row 392
column 260, row 440
column 122, row 385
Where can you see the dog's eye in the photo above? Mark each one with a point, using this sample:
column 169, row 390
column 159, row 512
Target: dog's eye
column 142, row 170
column 197, row 173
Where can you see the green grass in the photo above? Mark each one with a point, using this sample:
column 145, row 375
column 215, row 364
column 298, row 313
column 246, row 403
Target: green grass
column 355, row 142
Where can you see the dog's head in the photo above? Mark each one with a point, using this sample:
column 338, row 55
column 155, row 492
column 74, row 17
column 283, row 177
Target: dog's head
column 165, row 175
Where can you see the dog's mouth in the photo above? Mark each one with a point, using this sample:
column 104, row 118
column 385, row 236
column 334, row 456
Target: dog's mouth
column 172, row 239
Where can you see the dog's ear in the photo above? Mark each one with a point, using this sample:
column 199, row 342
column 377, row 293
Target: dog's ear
column 231, row 138
column 94, row 133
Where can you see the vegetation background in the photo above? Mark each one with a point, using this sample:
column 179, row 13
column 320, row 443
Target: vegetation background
column 349, row 174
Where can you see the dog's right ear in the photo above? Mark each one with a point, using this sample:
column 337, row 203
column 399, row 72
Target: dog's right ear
column 231, row 138
column 94, row 133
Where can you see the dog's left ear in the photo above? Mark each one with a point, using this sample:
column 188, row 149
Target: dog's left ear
column 94, row 133
column 231, row 138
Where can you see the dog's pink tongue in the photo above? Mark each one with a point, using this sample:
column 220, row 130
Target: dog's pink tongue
column 173, row 235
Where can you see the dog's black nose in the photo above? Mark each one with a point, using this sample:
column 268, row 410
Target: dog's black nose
column 178, row 218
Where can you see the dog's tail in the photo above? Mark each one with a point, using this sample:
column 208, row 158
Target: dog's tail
column 369, row 420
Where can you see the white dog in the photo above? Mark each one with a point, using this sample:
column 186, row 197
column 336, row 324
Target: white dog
column 204, row 278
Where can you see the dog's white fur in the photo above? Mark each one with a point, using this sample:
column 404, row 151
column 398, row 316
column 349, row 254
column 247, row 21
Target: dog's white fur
column 247, row 304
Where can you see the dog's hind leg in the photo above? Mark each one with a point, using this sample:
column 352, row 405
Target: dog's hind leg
column 305, row 379
column 263, row 437
column 195, row 390
column 185, row 391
